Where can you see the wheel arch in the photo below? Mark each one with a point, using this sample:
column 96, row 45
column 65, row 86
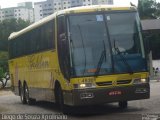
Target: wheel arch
column 19, row 85
column 24, row 82
column 56, row 85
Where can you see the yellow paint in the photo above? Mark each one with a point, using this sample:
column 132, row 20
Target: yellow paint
column 40, row 70
column 112, row 78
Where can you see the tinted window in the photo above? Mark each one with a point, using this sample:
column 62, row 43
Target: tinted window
column 36, row 40
column 63, row 51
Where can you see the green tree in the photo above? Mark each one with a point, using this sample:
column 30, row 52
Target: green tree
column 4, row 69
column 7, row 27
column 148, row 9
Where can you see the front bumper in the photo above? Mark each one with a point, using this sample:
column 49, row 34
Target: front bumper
column 106, row 95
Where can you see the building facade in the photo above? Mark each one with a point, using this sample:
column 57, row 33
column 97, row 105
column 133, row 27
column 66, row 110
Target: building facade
column 23, row 11
column 108, row 2
column 45, row 8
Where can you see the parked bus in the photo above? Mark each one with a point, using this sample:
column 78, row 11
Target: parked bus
column 81, row 56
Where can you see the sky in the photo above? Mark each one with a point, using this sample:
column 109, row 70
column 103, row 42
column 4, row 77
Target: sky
column 13, row 3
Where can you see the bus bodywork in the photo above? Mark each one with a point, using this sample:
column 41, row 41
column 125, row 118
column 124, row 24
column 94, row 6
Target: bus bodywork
column 94, row 54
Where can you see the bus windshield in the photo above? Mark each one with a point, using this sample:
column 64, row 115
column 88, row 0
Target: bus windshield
column 94, row 41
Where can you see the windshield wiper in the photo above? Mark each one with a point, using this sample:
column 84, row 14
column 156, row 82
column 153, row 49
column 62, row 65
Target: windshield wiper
column 102, row 58
column 72, row 58
column 123, row 59
column 82, row 39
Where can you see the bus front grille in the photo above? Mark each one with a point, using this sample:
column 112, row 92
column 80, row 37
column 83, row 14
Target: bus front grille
column 104, row 83
column 118, row 82
column 121, row 82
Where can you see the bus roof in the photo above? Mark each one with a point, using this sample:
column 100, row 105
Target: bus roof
column 68, row 11
column 93, row 8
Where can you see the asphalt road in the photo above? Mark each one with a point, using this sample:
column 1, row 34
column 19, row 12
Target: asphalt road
column 10, row 104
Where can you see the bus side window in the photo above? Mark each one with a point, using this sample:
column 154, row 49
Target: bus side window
column 49, row 35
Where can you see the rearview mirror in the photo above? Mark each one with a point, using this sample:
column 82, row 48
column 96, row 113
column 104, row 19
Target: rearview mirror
column 62, row 36
column 147, row 43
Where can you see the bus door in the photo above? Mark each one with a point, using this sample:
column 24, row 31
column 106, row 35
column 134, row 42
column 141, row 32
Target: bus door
column 63, row 47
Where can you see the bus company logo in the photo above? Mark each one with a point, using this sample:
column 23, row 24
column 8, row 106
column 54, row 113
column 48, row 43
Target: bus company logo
column 114, row 83
column 37, row 62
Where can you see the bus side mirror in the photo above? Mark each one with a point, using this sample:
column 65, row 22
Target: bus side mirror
column 147, row 42
column 62, row 37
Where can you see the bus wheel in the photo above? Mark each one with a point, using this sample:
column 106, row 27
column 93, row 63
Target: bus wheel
column 123, row 104
column 22, row 94
column 60, row 101
column 29, row 101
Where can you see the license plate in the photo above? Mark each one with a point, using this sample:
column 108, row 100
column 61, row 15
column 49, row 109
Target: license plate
column 114, row 93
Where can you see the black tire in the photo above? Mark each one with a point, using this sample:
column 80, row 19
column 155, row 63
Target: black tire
column 22, row 94
column 123, row 104
column 29, row 100
column 60, row 101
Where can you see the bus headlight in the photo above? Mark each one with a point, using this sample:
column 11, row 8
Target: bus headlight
column 84, row 85
column 139, row 81
column 143, row 80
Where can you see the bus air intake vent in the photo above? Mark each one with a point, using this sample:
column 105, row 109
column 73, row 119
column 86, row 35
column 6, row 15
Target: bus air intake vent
column 104, row 83
column 120, row 82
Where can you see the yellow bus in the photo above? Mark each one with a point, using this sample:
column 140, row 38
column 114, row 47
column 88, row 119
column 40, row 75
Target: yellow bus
column 81, row 56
